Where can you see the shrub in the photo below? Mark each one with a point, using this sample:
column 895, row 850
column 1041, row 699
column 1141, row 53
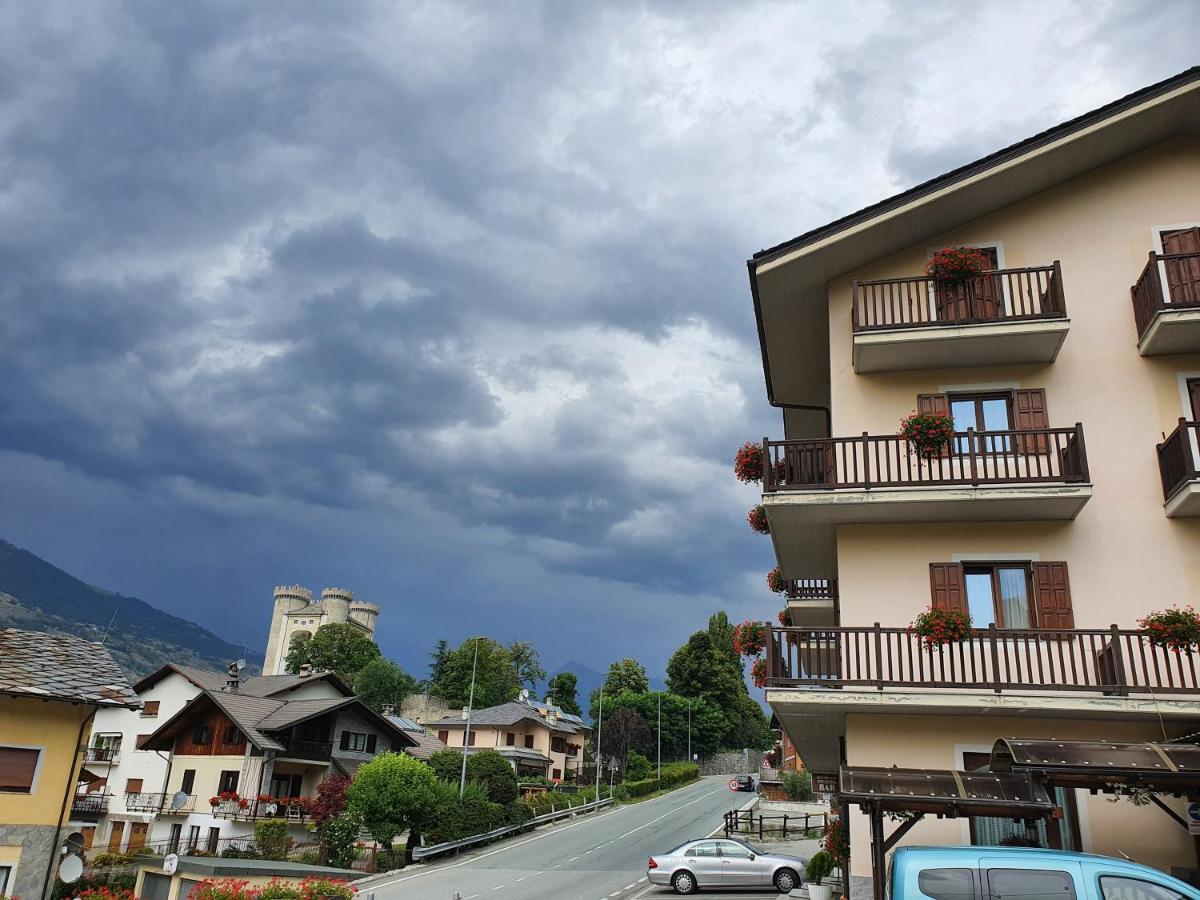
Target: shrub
column 104, row 860
column 316, row 888
column 337, row 840
column 797, row 785
column 272, row 839
column 279, row 890
column 1173, row 629
column 952, row 264
column 820, row 866
column 447, row 764
column 637, row 767
column 331, row 799
column 496, row 775
column 749, row 638
column 248, row 852
column 937, row 626
column 456, row 818
column 104, row 892
column 672, row 774
column 836, row 842
column 758, row 520
column 927, row 434
column 748, row 463
column 118, row 885
column 222, row 889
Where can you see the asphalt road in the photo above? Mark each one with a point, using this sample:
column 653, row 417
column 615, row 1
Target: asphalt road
column 600, row 856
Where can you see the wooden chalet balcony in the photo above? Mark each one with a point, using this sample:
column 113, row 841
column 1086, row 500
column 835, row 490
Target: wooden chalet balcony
column 310, row 751
column 1179, row 467
column 1111, row 661
column 1166, row 304
column 811, row 601
column 1000, row 317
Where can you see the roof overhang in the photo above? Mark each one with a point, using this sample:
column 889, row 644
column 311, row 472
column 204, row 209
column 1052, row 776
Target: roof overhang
column 945, row 792
column 1102, row 765
column 788, row 282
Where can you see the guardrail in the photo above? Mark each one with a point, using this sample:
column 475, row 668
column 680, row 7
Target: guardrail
column 420, row 853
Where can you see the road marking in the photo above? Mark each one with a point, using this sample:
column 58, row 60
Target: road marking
column 629, row 887
column 522, row 878
column 498, row 887
column 572, row 859
column 586, row 852
column 550, row 832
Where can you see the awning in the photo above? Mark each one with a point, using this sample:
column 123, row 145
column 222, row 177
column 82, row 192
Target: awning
column 945, row 792
column 1099, row 765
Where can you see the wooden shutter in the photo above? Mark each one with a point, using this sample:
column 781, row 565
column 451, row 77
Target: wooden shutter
column 1052, row 595
column 946, row 586
column 933, row 404
column 345, row 742
column 133, row 785
column 17, row 768
column 371, row 743
column 1029, row 413
column 1183, row 275
column 987, row 292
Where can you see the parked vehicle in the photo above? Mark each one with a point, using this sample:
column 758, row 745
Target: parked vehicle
column 725, row 863
column 980, row 873
column 743, row 783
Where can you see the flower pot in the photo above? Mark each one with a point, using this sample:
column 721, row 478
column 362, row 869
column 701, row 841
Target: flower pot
column 819, row 891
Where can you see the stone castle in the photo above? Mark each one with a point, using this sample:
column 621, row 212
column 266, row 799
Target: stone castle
column 296, row 613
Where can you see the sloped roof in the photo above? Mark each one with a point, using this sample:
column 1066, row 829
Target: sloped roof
column 61, row 667
column 292, row 711
column 273, row 685
column 511, row 713
column 426, row 744
column 247, row 713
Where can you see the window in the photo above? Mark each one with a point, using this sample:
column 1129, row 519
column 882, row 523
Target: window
column 510, row 739
column 189, row 781
column 201, row 735
column 947, row 884
column 990, row 831
column 529, row 742
column 556, row 774
column 1182, row 276
column 176, row 831
column 18, row 769
column 471, row 739
column 1115, row 887
column 1030, row 884
column 704, row 848
column 558, row 745
column 228, row 782
column 214, row 835
column 106, row 746
column 5, row 875
column 150, row 709
column 999, row 594
column 982, row 412
column 444, row 736
column 233, row 735
column 734, row 850
column 193, row 837
column 133, row 785
column 139, row 740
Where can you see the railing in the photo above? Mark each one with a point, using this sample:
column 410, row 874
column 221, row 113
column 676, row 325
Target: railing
column 1182, row 272
column 1177, row 463
column 89, row 807
column 1004, row 295
column 811, row 588
column 1110, row 661
column 295, row 748
column 141, row 801
column 745, row 822
column 203, row 846
column 102, row 754
column 1035, row 456
column 277, row 808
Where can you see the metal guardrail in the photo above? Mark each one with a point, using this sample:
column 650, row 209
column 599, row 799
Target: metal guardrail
column 420, row 853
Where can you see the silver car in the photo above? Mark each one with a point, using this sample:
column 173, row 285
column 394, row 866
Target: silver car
column 723, row 863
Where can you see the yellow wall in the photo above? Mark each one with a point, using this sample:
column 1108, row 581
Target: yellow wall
column 1125, row 556
column 54, row 727
column 936, row 742
column 208, row 777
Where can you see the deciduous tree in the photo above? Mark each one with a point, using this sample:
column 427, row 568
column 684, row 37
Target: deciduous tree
column 394, row 793
column 382, row 683
column 339, row 647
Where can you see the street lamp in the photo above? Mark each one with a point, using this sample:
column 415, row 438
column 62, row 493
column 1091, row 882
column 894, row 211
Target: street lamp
column 599, row 727
column 689, row 729
column 462, row 782
column 659, row 729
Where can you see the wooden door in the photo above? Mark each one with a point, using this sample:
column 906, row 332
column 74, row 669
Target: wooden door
column 115, row 836
column 1183, row 275
column 89, row 836
column 137, row 836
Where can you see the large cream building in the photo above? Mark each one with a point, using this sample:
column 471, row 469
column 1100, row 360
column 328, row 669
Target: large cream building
column 1076, row 514
column 297, row 614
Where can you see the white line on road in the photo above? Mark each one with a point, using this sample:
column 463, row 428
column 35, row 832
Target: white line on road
column 498, row 887
column 522, row 878
column 572, row 859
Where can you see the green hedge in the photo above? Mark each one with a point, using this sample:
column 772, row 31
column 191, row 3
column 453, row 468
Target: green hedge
column 673, row 774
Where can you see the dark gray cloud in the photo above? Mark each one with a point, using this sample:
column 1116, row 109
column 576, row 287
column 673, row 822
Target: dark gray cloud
column 447, row 302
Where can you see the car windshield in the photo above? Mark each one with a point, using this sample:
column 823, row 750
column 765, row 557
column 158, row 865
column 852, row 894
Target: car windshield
column 748, row 846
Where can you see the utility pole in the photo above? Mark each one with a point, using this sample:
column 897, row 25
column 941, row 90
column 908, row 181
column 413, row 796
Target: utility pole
column 659, row 737
column 462, row 782
column 599, row 727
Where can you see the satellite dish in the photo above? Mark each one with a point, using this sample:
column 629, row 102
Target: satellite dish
column 70, row 869
column 179, row 800
column 74, row 842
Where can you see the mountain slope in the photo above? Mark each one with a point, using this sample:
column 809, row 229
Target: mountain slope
column 38, row 596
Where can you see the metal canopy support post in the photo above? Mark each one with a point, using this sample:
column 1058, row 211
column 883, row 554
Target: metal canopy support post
column 880, row 846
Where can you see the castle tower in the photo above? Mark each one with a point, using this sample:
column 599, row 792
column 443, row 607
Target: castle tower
column 289, row 599
column 336, row 604
column 364, row 614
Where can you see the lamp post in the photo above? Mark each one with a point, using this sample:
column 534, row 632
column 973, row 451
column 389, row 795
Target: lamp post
column 659, row 729
column 462, row 782
column 689, row 729
column 599, row 727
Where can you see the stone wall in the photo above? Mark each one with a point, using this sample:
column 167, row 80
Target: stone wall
column 730, row 763
column 37, row 849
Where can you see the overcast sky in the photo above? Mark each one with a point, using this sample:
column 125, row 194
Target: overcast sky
column 447, row 304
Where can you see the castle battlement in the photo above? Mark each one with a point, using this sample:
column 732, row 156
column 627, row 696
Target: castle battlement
column 296, row 613
column 296, row 591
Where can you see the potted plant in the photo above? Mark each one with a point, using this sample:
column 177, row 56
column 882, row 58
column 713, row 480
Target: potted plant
column 758, row 672
column 750, row 638
column 821, row 866
column 748, row 463
column 758, row 520
column 1173, row 629
column 938, row 626
column 928, row 435
column 775, row 581
column 953, row 265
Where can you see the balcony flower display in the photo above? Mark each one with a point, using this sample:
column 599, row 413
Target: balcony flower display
column 1173, row 629
column 793, row 639
column 758, row 520
column 775, row 581
column 748, row 464
column 927, row 434
column 938, row 627
column 836, row 842
column 750, row 638
column 951, row 265
column 758, row 672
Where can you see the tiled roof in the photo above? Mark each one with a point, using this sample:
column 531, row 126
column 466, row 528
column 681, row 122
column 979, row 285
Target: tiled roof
column 247, row 713
column 292, row 711
column 426, row 745
column 272, row 685
column 510, row 714
column 62, row 667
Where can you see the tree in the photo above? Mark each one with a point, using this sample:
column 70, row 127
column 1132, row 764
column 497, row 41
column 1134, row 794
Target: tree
column 709, row 725
column 495, row 774
column 382, row 683
column 496, row 680
column 624, row 731
column 626, row 675
column 720, row 629
column 639, row 767
column 699, row 669
column 437, row 663
column 393, row 793
column 525, row 660
column 331, row 799
column 340, row 647
column 563, row 692
column 447, row 764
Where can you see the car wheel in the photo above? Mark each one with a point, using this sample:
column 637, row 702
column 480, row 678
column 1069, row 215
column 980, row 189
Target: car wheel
column 786, row 880
column 684, row 883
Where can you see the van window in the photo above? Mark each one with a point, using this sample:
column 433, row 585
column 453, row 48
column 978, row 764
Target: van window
column 1114, row 887
column 947, row 884
column 1030, row 884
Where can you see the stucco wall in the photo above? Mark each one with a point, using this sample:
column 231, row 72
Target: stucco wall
column 937, row 742
column 52, row 728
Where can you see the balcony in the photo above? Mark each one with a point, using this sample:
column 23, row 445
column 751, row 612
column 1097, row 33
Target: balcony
column 88, row 807
column 294, row 809
column 1166, row 304
column 811, row 601
column 812, row 486
column 999, row 318
column 159, row 803
column 306, row 751
column 102, row 755
column 1179, row 467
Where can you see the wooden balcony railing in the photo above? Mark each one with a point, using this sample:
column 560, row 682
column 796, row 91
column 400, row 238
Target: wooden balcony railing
column 1177, row 463
column 811, row 589
column 1110, row 661
column 1004, row 295
column 295, row 748
column 1037, row 456
column 1182, row 272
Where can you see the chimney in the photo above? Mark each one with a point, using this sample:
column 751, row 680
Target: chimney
column 232, row 679
column 388, row 709
column 305, row 670
column 463, row 713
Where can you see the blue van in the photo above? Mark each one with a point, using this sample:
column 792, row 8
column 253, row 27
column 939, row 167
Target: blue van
column 1017, row 873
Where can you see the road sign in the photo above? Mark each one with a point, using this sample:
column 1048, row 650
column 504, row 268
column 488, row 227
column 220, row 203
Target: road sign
column 170, row 863
column 1193, row 811
column 733, row 784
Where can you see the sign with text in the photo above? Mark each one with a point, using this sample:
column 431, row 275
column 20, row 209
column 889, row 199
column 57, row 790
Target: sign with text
column 825, row 782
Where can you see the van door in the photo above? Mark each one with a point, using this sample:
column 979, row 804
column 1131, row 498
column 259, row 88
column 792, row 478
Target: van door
column 1021, row 878
column 1123, row 886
